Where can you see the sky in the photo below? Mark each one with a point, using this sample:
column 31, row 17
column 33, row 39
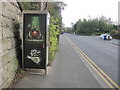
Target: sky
column 78, row 9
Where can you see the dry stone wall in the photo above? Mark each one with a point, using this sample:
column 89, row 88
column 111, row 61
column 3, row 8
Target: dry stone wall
column 10, row 41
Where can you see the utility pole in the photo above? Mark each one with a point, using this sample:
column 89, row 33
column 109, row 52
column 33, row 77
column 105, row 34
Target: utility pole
column 118, row 15
column 109, row 23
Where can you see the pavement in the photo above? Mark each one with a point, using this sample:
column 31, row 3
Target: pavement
column 67, row 71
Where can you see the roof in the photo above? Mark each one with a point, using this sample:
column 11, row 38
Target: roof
column 20, row 6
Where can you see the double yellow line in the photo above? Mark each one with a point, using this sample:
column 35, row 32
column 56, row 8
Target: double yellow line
column 100, row 72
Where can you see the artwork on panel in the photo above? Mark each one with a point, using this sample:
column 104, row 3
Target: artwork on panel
column 34, row 29
column 35, row 56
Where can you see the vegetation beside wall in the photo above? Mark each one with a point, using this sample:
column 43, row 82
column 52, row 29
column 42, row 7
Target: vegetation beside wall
column 55, row 28
column 115, row 34
column 53, row 33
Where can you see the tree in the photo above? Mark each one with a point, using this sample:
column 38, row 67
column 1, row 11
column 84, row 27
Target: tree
column 91, row 26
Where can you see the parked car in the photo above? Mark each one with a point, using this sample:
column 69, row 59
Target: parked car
column 105, row 37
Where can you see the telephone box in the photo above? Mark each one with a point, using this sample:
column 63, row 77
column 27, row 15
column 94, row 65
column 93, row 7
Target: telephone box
column 35, row 39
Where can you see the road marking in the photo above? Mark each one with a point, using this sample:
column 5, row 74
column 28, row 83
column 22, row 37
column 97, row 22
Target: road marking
column 94, row 66
column 96, row 70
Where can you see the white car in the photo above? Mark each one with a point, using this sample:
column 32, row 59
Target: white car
column 105, row 37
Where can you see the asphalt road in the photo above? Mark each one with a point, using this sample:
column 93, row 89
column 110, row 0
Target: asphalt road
column 68, row 69
column 101, row 52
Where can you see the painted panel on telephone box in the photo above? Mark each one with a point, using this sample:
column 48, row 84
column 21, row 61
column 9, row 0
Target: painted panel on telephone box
column 34, row 40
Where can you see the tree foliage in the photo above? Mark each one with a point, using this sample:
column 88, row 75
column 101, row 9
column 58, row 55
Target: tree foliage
column 55, row 11
column 91, row 26
column 30, row 5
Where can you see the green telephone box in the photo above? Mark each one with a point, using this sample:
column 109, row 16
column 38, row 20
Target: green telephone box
column 35, row 39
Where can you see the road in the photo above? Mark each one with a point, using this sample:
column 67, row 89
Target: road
column 103, row 53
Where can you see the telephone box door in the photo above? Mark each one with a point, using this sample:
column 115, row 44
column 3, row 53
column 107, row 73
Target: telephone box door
column 35, row 40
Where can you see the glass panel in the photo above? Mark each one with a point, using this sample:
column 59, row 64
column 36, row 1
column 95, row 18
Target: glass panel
column 34, row 30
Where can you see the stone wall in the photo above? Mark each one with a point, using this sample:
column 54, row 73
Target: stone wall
column 10, row 41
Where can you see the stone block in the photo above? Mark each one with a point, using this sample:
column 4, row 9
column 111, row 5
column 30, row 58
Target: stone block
column 1, row 78
column 0, row 45
column 13, row 53
column 8, row 80
column 8, row 73
column 7, row 70
column 0, row 7
column 0, row 32
column 0, row 64
column 6, row 22
column 13, row 42
column 6, row 43
column 9, row 10
column 6, row 58
column 7, row 32
column 0, row 21
column 15, row 64
column 0, row 60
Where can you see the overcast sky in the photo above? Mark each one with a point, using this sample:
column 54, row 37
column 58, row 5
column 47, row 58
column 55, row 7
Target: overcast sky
column 77, row 9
